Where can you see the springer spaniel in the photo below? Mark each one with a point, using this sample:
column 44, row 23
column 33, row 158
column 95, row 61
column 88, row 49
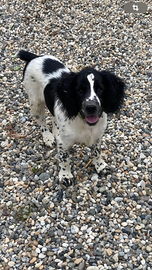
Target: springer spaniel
column 79, row 103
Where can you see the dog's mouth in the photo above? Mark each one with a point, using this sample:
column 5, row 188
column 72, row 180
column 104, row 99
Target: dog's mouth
column 92, row 119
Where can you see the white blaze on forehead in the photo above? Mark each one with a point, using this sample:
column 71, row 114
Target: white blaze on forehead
column 93, row 95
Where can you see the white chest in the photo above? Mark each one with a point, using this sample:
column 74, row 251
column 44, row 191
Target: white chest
column 77, row 130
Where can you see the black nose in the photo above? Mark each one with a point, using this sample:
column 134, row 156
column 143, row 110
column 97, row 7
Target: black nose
column 91, row 108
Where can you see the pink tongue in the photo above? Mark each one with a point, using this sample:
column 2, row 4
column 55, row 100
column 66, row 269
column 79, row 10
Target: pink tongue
column 91, row 119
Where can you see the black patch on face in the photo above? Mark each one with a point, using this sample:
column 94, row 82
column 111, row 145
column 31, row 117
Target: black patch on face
column 51, row 65
column 83, row 86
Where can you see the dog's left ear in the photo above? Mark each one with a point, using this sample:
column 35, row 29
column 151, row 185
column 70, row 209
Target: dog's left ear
column 113, row 93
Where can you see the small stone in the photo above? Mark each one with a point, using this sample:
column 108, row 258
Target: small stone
column 4, row 143
column 23, row 119
column 130, row 164
column 84, row 228
column 121, row 253
column 115, row 257
column 51, row 205
column 149, row 249
column 74, row 229
column 59, row 232
column 81, row 265
column 33, row 260
column 142, row 156
column 45, row 200
column 109, row 251
column 44, row 249
column 37, row 250
column 141, row 184
column 124, row 224
column 41, row 256
column 138, row 227
column 11, row 263
column 94, row 177
column 78, row 261
column 92, row 268
column 44, row 176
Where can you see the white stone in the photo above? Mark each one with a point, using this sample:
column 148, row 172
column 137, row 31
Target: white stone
column 141, row 184
column 142, row 156
column 11, row 263
column 129, row 163
column 84, row 228
column 37, row 250
column 115, row 257
column 45, row 200
column 94, row 177
column 44, row 249
column 51, row 205
column 74, row 229
column 92, row 268
column 4, row 143
column 41, row 256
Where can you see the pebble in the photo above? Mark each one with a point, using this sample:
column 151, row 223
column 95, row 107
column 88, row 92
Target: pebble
column 41, row 256
column 92, row 268
column 129, row 163
column 44, row 176
column 141, row 184
column 46, row 200
column 109, row 251
column 33, row 260
column 115, row 257
column 78, row 261
column 142, row 156
column 94, row 177
column 74, row 229
column 11, row 263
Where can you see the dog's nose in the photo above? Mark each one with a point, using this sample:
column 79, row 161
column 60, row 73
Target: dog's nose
column 91, row 108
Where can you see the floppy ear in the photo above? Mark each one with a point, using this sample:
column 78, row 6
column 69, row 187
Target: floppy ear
column 113, row 94
column 63, row 90
column 67, row 94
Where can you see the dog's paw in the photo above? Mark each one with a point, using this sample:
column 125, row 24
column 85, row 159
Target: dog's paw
column 100, row 165
column 106, row 171
column 66, row 182
column 48, row 138
column 65, row 178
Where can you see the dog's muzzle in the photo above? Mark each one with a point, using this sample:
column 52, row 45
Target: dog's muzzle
column 91, row 111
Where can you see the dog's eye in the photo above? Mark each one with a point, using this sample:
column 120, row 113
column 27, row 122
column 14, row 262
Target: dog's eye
column 99, row 91
column 80, row 91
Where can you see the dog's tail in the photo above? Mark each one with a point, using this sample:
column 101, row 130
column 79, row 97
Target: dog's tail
column 26, row 56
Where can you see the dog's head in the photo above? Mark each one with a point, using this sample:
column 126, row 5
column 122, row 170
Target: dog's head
column 89, row 93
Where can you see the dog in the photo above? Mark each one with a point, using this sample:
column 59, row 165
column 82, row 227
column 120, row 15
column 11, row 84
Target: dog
column 78, row 101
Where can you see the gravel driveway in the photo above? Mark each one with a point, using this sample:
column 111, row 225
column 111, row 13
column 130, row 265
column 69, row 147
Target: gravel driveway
column 103, row 222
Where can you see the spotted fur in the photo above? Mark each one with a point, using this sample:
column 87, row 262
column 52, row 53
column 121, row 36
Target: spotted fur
column 79, row 103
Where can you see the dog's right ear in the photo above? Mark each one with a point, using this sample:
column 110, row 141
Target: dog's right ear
column 63, row 90
column 66, row 91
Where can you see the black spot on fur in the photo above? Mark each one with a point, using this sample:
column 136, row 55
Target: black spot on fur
column 51, row 65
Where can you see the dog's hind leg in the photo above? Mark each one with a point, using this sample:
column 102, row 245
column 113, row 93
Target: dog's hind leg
column 38, row 111
column 36, row 98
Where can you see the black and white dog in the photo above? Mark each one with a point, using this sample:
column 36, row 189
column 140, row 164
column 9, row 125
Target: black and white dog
column 79, row 103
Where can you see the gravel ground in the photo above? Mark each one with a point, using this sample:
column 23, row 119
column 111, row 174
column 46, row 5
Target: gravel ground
column 102, row 222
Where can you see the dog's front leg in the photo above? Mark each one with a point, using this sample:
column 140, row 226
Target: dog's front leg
column 98, row 162
column 65, row 176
